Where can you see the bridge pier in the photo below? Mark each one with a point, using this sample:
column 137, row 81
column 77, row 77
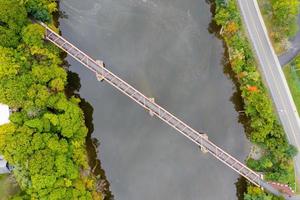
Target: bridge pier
column 150, row 111
column 101, row 64
column 203, row 149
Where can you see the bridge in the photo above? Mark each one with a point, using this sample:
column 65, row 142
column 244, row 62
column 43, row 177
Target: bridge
column 154, row 109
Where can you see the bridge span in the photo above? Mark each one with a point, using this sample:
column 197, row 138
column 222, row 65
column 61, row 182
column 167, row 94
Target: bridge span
column 198, row 138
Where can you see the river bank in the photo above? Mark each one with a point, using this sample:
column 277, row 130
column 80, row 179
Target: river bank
column 258, row 106
column 158, row 46
column 45, row 140
column 92, row 144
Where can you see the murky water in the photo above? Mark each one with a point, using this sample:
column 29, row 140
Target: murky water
column 163, row 48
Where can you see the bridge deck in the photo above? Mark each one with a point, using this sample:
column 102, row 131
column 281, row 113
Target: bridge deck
column 149, row 105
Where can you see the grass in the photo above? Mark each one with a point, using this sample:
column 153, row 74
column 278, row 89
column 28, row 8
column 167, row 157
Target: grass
column 294, row 84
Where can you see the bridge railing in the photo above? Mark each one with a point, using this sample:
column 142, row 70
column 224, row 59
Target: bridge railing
column 149, row 105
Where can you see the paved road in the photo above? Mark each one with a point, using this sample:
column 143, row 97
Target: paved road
column 272, row 73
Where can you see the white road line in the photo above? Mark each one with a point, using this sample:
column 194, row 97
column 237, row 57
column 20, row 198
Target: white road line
column 272, row 73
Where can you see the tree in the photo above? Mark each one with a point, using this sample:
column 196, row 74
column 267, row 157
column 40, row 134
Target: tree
column 39, row 9
column 265, row 129
column 255, row 193
column 39, row 94
column 57, row 84
column 284, row 15
column 8, row 63
column 33, row 34
column 45, row 74
column 8, row 37
column 13, row 17
column 45, row 140
column 36, row 124
column 231, row 27
column 291, row 151
column 14, row 89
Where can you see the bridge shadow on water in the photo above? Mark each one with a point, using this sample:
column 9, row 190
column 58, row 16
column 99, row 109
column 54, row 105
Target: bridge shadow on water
column 236, row 99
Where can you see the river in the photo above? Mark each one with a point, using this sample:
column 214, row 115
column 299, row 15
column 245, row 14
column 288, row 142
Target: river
column 163, row 48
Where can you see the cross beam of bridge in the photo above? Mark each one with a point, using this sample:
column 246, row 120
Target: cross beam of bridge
column 199, row 138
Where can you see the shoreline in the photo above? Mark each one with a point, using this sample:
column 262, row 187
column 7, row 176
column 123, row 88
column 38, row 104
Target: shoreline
column 50, row 159
column 242, row 66
column 214, row 28
column 72, row 89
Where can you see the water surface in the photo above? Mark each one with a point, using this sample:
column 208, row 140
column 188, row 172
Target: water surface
column 163, row 48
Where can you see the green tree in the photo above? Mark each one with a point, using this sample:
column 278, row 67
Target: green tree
column 40, row 9
column 284, row 15
column 45, row 140
column 14, row 89
column 13, row 17
column 8, row 63
column 33, row 34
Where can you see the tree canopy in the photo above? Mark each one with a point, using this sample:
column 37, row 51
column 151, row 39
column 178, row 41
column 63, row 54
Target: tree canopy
column 264, row 128
column 45, row 140
column 281, row 18
column 13, row 17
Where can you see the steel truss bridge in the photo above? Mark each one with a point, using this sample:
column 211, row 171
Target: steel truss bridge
column 200, row 139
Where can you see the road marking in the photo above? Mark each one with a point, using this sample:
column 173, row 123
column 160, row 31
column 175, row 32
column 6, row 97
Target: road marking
column 271, row 71
column 297, row 166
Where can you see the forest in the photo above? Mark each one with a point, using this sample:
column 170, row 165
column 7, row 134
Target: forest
column 264, row 128
column 45, row 141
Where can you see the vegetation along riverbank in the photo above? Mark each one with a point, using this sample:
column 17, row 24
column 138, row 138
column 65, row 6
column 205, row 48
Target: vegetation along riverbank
column 265, row 131
column 45, row 140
